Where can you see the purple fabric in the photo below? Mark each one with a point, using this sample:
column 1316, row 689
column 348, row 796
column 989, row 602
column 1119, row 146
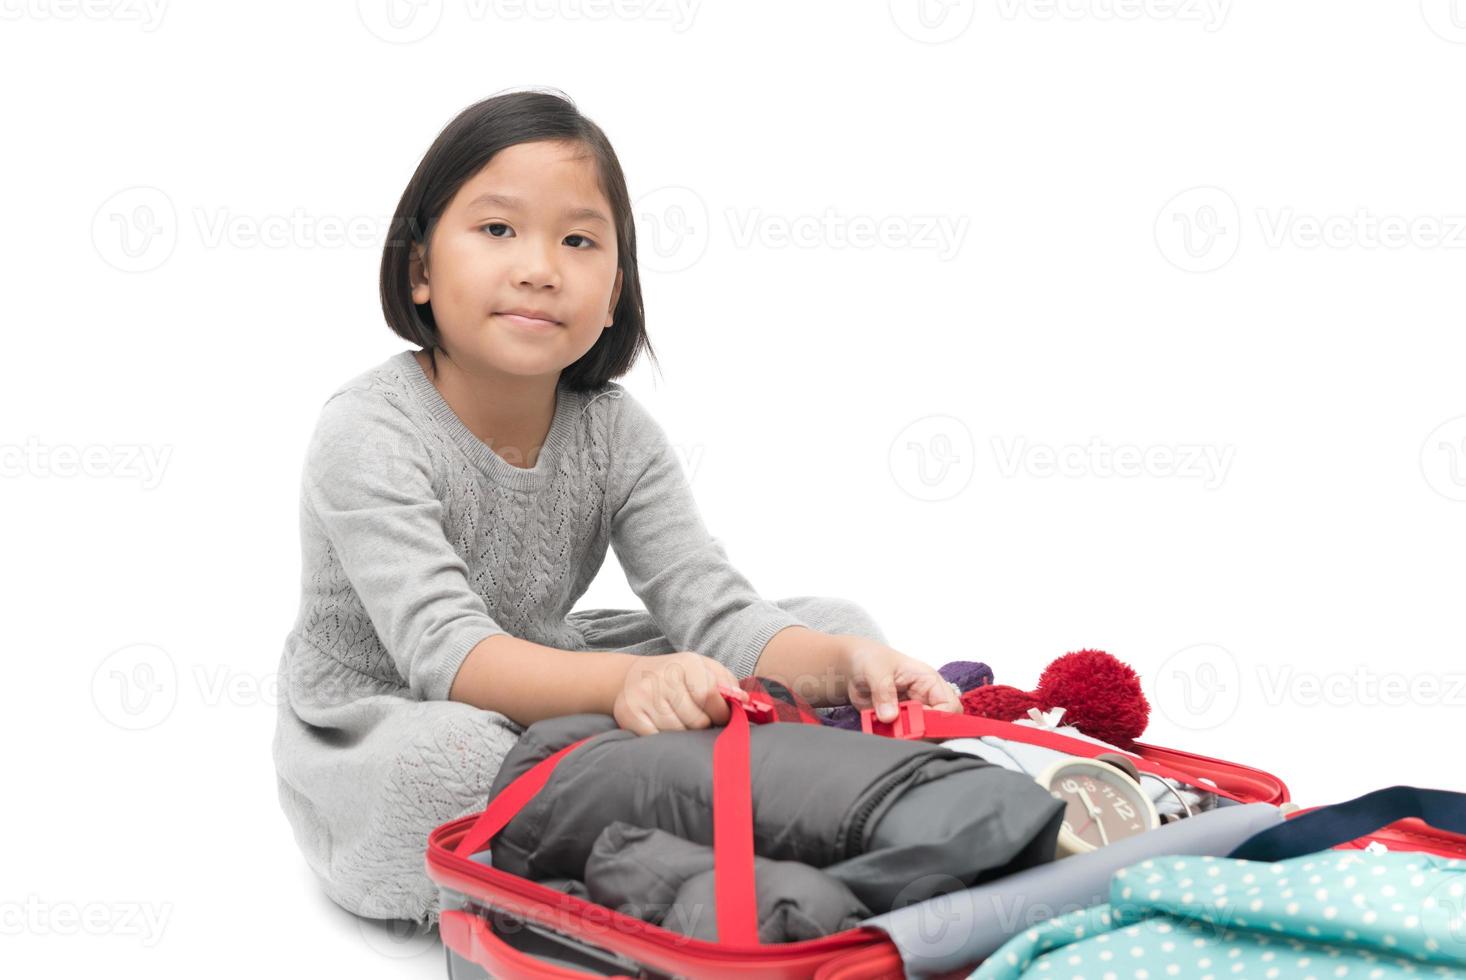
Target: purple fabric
column 966, row 674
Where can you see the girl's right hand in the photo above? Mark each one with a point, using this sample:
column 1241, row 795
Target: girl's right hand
column 673, row 692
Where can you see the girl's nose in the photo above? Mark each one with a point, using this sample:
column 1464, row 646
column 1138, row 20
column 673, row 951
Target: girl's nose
column 538, row 265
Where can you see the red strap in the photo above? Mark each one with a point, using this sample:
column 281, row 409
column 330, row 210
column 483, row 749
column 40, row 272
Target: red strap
column 735, row 893
column 506, row 806
column 737, row 900
column 917, row 721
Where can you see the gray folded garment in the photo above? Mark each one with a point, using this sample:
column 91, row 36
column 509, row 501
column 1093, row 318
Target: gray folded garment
column 823, row 797
column 667, row 881
column 955, row 931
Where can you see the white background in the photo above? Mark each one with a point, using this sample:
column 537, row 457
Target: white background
column 1202, row 227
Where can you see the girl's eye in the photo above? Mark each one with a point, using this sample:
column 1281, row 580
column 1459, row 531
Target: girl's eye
column 589, row 242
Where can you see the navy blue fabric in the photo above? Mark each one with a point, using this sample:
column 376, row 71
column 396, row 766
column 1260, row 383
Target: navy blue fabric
column 1340, row 823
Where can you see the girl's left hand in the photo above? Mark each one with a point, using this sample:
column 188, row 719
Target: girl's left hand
column 878, row 676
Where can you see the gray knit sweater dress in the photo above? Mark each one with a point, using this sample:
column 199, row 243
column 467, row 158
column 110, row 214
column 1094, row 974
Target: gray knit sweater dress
column 417, row 542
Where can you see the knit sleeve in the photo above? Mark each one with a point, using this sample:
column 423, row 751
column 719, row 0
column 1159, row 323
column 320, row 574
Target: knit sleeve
column 701, row 602
column 368, row 483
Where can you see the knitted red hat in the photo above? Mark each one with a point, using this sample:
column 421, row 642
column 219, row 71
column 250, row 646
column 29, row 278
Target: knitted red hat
column 1100, row 696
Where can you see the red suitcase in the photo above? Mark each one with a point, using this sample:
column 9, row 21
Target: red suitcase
column 499, row 925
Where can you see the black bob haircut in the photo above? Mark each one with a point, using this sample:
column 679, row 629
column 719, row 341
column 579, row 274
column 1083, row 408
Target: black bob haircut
column 463, row 148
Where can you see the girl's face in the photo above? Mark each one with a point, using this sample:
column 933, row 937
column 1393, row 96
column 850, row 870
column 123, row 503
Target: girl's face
column 531, row 233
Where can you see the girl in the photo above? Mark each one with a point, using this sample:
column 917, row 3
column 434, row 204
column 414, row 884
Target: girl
column 458, row 499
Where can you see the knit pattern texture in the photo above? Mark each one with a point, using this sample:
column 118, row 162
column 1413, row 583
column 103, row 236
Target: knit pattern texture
column 418, row 540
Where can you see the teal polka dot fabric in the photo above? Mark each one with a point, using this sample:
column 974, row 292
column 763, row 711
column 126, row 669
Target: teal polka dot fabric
column 1334, row 915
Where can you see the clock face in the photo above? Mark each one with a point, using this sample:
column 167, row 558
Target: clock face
column 1100, row 806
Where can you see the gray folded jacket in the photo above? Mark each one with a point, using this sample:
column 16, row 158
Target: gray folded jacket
column 959, row 929
column 823, row 797
column 668, row 881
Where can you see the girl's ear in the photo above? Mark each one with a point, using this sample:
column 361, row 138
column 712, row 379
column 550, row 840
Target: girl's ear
column 417, row 274
column 615, row 295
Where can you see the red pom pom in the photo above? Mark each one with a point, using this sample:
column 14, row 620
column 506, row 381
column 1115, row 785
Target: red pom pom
column 998, row 701
column 1101, row 696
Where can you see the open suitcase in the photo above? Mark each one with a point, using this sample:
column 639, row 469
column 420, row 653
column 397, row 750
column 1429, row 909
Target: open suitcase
column 499, row 925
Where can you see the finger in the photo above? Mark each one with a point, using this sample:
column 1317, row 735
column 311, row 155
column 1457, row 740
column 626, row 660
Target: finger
column 660, row 709
column 934, row 691
column 943, row 694
column 667, row 698
column 709, row 700
column 951, row 696
column 641, row 723
column 682, row 711
column 884, row 691
column 726, row 677
column 688, row 699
